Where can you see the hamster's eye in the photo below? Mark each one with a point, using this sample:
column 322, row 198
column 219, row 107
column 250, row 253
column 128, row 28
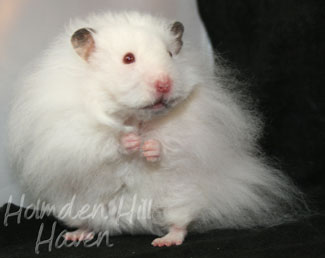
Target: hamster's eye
column 170, row 54
column 128, row 58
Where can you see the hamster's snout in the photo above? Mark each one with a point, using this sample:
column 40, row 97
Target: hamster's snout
column 163, row 84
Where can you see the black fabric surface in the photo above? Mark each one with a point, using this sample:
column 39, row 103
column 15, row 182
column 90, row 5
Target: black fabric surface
column 279, row 46
column 302, row 239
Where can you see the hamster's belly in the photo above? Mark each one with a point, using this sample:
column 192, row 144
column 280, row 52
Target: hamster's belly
column 118, row 198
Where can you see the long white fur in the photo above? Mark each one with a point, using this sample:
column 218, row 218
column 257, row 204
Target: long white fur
column 66, row 123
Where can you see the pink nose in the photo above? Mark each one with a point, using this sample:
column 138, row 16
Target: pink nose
column 163, row 85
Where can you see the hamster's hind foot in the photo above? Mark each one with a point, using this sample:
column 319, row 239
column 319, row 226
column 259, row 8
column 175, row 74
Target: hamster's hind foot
column 175, row 236
column 79, row 235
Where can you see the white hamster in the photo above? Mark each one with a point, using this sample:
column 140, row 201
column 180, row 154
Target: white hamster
column 124, row 118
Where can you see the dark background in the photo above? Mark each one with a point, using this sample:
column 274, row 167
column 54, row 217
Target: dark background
column 279, row 47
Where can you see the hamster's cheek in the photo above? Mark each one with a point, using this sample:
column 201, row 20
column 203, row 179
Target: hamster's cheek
column 181, row 91
column 135, row 98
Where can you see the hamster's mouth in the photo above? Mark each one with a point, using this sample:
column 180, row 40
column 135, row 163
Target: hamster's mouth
column 160, row 104
column 159, row 107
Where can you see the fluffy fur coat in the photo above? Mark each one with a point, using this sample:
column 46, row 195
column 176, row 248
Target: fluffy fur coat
column 70, row 115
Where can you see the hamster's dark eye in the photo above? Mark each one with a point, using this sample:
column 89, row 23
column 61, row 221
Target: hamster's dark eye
column 170, row 54
column 128, row 58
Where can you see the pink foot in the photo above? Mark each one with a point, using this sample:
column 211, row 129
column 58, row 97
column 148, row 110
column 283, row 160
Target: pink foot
column 151, row 150
column 79, row 235
column 174, row 237
column 130, row 143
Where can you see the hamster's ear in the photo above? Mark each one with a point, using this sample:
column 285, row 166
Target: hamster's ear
column 177, row 29
column 83, row 42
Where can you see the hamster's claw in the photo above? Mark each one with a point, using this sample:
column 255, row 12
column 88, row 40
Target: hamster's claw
column 130, row 143
column 151, row 150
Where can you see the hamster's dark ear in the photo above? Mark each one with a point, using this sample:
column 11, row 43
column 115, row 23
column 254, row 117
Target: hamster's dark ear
column 177, row 29
column 83, row 42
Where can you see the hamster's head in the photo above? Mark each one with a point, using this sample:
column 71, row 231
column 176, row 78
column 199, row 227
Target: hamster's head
column 136, row 61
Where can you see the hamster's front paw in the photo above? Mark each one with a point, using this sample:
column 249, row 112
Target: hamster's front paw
column 130, row 143
column 151, row 150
